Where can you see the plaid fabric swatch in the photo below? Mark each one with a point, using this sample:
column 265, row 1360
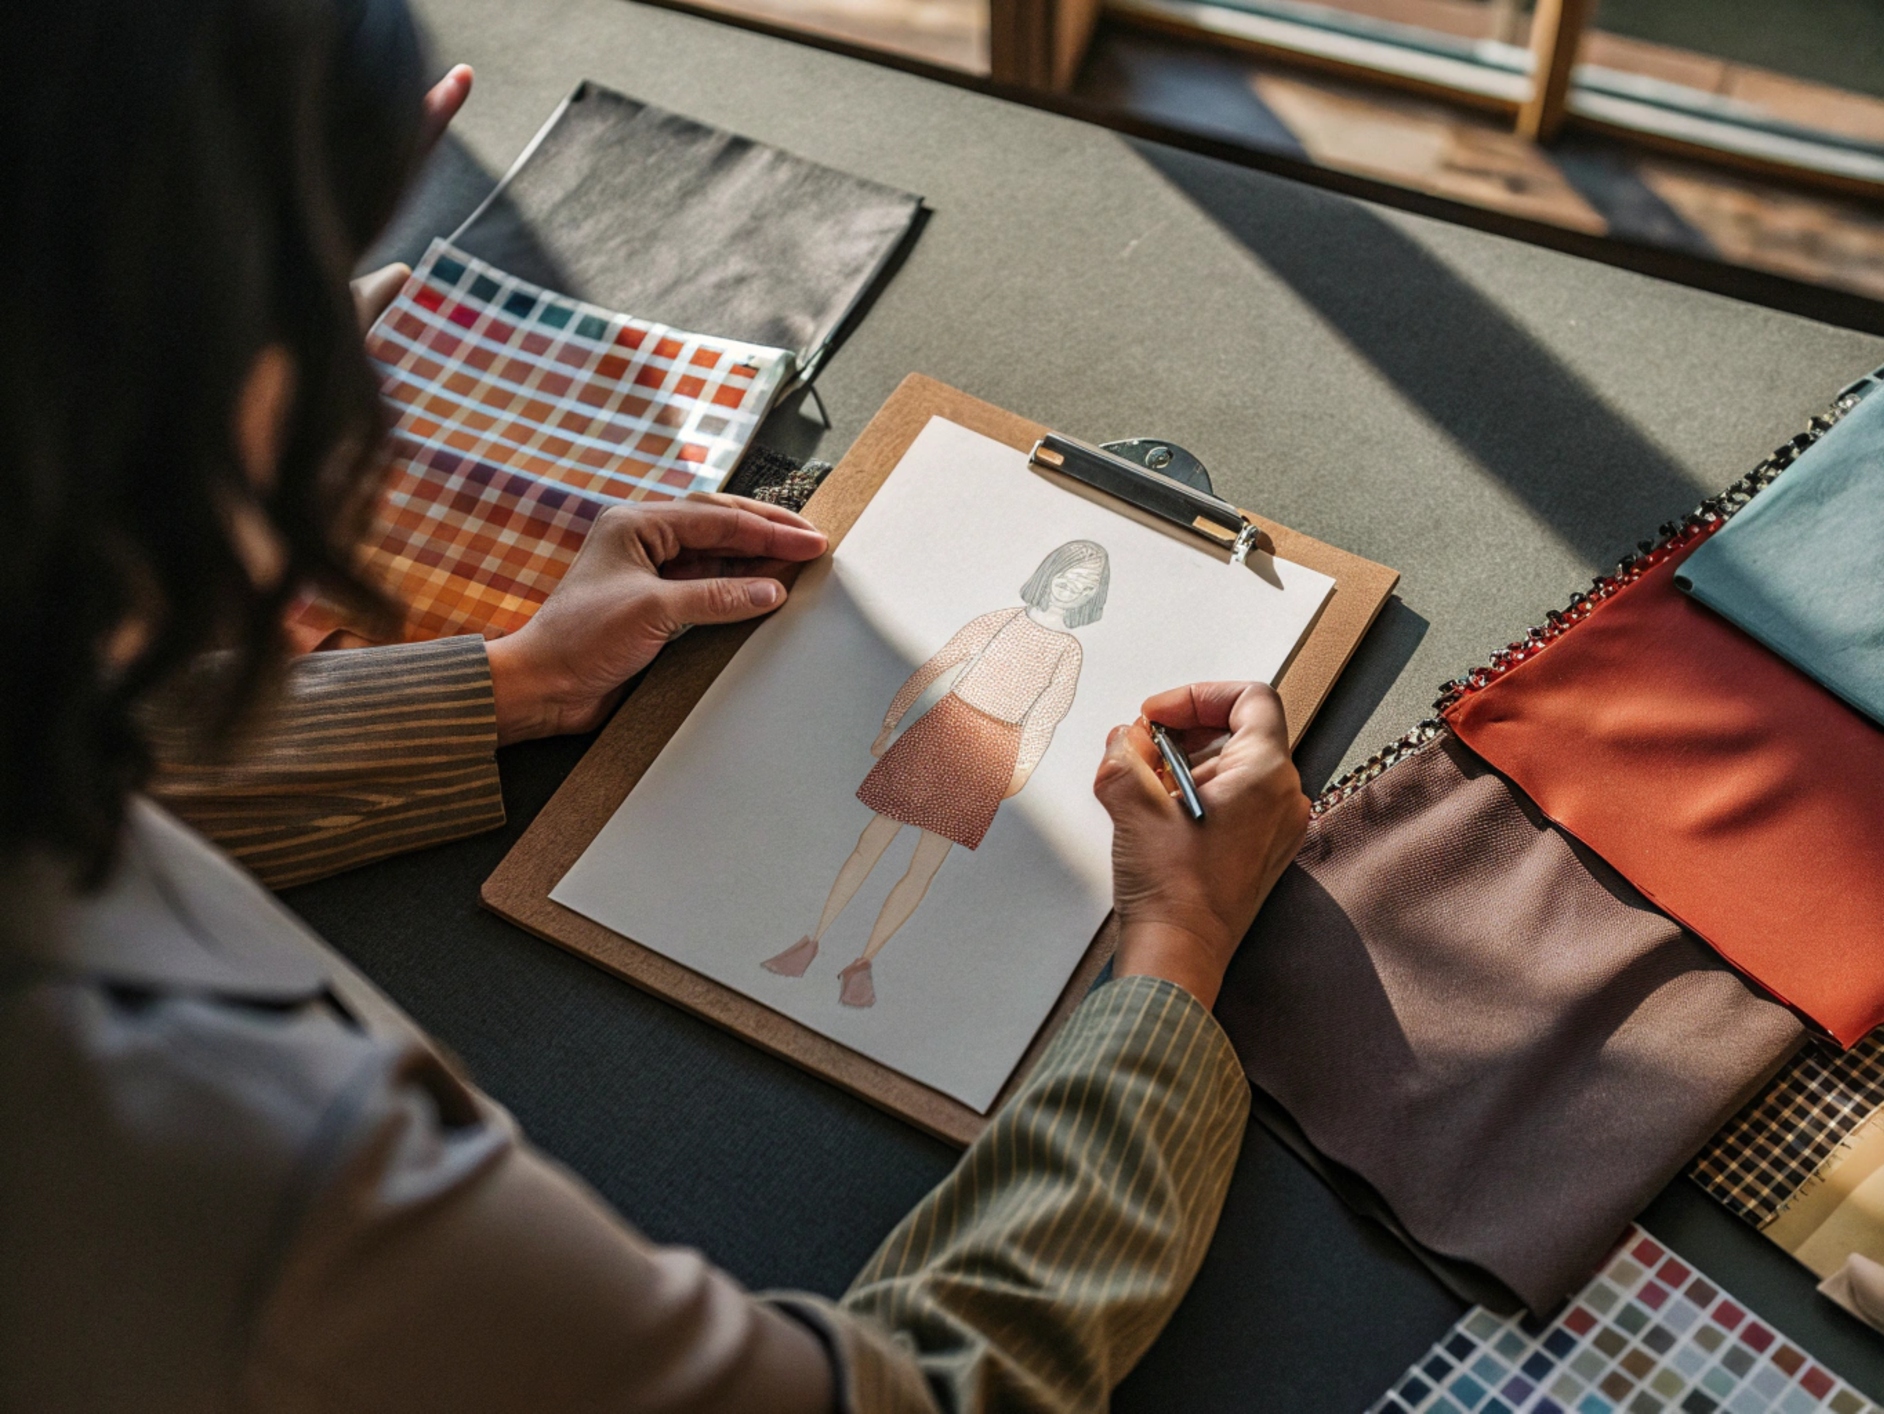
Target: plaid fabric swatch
column 1783, row 1135
column 519, row 416
column 1647, row 1333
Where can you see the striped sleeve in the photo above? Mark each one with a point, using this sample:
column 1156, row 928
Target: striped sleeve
column 1039, row 1272
column 363, row 753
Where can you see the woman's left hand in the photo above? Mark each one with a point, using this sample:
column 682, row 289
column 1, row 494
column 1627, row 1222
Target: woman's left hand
column 645, row 574
column 1017, row 782
column 372, row 292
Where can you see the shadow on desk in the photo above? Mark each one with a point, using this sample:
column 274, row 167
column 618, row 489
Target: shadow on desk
column 1363, row 685
column 1523, row 415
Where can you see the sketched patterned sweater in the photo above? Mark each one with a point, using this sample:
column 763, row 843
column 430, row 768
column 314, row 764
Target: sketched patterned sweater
column 950, row 771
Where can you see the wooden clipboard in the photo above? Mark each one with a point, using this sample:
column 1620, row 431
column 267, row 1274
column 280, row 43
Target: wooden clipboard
column 519, row 888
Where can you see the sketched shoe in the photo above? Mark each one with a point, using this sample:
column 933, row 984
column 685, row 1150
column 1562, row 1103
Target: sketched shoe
column 795, row 959
column 858, row 990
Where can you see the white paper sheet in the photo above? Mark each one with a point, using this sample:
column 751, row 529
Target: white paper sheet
column 725, row 853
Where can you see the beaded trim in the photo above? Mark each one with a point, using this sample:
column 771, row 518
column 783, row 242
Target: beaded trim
column 1390, row 755
column 1703, row 520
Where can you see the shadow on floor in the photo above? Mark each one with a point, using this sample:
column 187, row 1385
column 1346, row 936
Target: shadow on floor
column 1613, row 185
column 1186, row 85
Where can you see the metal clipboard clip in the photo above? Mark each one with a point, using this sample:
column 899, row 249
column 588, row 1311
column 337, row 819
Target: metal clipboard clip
column 1160, row 478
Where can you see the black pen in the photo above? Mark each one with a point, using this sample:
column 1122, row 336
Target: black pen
column 1179, row 765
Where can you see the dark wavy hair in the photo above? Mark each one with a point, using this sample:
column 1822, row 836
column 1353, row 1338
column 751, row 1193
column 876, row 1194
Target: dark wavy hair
column 187, row 183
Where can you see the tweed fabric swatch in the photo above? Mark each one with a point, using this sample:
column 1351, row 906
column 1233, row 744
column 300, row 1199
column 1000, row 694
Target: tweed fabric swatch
column 767, row 474
column 1463, row 1007
column 1736, row 793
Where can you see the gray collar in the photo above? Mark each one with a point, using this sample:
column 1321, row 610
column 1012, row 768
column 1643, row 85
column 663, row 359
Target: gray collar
column 175, row 916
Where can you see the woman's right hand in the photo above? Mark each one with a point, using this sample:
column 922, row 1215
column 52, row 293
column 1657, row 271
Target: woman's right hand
column 1186, row 892
column 881, row 744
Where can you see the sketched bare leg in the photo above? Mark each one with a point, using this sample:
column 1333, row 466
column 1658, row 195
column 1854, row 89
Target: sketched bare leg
column 859, row 989
column 871, row 843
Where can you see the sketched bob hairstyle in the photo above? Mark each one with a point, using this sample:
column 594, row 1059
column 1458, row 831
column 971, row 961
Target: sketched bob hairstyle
column 1038, row 591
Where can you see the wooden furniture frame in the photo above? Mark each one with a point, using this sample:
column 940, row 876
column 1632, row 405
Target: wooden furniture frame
column 1536, row 95
column 1039, row 43
column 1556, row 32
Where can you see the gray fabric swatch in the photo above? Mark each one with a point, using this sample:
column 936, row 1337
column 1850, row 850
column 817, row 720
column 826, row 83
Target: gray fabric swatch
column 638, row 209
column 1802, row 567
column 1488, row 1025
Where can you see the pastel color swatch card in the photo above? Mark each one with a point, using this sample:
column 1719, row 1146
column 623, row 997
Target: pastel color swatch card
column 519, row 416
column 1648, row 1333
column 1839, row 1210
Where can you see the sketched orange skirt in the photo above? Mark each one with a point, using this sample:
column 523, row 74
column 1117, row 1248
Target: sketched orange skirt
column 947, row 773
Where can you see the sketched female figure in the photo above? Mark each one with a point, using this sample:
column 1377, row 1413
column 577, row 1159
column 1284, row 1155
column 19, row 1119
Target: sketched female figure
column 950, row 771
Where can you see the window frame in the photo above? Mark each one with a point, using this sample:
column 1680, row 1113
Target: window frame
column 1498, row 77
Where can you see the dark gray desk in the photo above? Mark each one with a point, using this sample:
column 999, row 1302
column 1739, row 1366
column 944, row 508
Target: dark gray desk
column 1496, row 421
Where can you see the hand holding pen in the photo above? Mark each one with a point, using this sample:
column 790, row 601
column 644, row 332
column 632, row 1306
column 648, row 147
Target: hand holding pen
column 1187, row 888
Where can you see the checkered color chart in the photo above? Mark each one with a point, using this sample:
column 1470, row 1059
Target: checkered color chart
column 1648, row 1334
column 519, row 416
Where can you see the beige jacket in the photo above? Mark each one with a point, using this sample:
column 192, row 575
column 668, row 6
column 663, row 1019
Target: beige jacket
column 234, row 1176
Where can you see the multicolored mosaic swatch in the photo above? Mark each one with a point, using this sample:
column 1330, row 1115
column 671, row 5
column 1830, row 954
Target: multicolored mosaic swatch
column 1648, row 1334
column 1785, row 1134
column 520, row 416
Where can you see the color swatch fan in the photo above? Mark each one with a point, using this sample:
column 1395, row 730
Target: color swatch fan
column 519, row 417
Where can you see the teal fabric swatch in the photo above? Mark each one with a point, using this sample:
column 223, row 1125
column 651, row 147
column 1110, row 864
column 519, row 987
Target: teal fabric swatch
column 1802, row 567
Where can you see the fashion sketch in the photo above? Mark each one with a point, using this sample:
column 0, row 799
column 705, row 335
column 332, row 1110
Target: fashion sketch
column 1016, row 671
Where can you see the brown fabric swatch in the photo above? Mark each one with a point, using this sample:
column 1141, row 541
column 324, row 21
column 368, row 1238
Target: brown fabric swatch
column 1488, row 1024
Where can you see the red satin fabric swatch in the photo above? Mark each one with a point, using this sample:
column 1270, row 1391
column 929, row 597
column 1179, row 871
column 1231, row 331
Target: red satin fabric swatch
column 1741, row 797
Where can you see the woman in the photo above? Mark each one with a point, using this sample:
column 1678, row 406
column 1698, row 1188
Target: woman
column 949, row 773
column 231, row 1173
